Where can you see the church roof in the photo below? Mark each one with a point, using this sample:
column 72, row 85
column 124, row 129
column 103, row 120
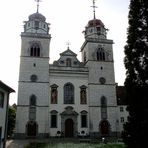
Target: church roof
column 95, row 23
column 6, row 87
column 37, row 16
column 68, row 59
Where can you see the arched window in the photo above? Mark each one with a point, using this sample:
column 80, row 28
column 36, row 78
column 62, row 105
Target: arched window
column 103, row 101
column 103, row 108
column 68, row 93
column 35, row 50
column 68, row 62
column 100, row 54
column 33, row 100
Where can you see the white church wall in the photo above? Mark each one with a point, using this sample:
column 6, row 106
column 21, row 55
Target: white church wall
column 25, row 93
column 26, row 42
column 21, row 119
column 60, row 107
column 41, row 117
column 27, row 69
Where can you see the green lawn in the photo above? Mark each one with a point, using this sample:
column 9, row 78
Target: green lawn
column 77, row 145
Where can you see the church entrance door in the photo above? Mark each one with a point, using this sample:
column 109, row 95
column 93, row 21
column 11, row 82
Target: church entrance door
column 32, row 129
column 69, row 128
column 104, row 127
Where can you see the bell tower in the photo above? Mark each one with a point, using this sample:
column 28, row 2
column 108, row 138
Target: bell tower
column 97, row 55
column 33, row 91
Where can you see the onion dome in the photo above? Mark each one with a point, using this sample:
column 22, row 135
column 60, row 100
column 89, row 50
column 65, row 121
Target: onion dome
column 37, row 16
column 95, row 23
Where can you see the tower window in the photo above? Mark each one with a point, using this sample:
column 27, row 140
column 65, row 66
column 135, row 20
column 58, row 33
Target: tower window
column 122, row 119
column 28, row 24
column 100, row 55
column 32, row 108
column 32, row 113
column 103, row 108
column 35, row 50
column 33, row 100
column 33, row 78
column 36, row 24
column 68, row 94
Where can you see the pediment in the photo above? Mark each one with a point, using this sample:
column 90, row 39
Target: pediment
column 68, row 52
column 69, row 111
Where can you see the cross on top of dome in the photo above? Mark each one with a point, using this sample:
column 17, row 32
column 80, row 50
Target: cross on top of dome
column 94, row 8
column 38, row 5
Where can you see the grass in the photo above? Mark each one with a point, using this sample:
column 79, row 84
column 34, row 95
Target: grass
column 73, row 145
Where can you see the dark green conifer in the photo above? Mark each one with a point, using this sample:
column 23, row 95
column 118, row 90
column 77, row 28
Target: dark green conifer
column 135, row 133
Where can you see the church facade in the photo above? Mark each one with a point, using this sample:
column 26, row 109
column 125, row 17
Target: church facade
column 69, row 98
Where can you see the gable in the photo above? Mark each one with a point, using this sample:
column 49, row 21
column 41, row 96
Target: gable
column 68, row 52
column 68, row 59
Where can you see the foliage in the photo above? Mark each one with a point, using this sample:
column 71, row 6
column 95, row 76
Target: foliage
column 136, row 83
column 11, row 120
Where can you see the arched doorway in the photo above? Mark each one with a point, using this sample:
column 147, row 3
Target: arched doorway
column 69, row 128
column 31, row 129
column 104, row 128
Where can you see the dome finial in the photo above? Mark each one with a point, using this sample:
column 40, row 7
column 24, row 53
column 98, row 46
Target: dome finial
column 94, row 9
column 38, row 5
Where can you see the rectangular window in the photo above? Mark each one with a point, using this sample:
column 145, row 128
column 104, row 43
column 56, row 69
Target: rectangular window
column 122, row 119
column 121, row 109
column 83, row 120
column 1, row 99
column 36, row 24
column 53, row 121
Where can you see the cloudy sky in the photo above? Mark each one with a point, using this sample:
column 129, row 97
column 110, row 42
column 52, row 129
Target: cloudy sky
column 68, row 19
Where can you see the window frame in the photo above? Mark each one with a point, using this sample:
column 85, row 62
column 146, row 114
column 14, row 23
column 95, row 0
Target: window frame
column 100, row 54
column 69, row 93
column 103, row 107
column 35, row 50
column 53, row 124
column 84, row 120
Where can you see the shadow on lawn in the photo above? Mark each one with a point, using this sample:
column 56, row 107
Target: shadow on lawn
column 73, row 145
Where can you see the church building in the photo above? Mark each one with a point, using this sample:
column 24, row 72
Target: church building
column 70, row 97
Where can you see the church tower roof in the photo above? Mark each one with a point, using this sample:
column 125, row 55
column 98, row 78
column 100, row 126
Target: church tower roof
column 95, row 27
column 95, row 23
column 37, row 16
column 36, row 23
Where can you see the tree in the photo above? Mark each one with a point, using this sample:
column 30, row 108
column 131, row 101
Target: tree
column 11, row 120
column 135, row 133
